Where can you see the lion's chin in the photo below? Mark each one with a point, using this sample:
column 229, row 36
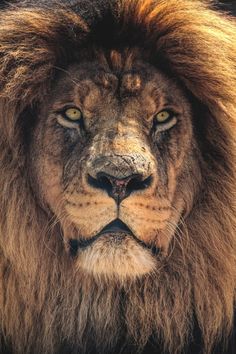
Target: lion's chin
column 116, row 255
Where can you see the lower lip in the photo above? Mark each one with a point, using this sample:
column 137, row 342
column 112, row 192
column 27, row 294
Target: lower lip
column 115, row 233
column 116, row 238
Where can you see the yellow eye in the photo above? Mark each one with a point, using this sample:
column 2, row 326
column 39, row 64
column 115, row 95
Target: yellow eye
column 162, row 116
column 73, row 114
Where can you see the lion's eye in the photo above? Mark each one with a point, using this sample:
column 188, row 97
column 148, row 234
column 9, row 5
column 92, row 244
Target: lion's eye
column 73, row 114
column 164, row 120
column 163, row 116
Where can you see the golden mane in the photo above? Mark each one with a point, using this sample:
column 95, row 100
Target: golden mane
column 39, row 311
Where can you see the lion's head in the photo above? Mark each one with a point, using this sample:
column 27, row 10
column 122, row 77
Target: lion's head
column 118, row 166
column 110, row 156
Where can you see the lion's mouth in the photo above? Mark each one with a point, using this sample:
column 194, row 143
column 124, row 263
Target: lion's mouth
column 116, row 231
column 116, row 226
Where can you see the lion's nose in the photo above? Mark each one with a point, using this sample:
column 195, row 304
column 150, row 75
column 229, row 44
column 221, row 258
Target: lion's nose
column 119, row 188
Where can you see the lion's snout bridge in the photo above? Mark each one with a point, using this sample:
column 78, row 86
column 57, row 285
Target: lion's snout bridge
column 120, row 175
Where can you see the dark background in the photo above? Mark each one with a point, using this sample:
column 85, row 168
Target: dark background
column 228, row 5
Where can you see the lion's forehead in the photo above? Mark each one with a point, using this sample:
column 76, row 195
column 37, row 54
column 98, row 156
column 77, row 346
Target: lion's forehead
column 137, row 84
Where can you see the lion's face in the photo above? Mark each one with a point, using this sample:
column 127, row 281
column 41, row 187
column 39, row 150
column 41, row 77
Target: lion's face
column 113, row 154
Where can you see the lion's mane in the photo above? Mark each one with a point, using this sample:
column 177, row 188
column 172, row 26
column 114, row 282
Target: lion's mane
column 40, row 311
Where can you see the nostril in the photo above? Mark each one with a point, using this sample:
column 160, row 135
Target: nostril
column 137, row 183
column 101, row 182
column 105, row 183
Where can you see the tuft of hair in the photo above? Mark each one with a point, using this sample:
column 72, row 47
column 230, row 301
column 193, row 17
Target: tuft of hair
column 38, row 304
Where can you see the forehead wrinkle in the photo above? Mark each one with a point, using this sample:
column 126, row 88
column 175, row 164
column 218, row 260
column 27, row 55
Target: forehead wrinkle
column 121, row 61
column 131, row 83
column 120, row 68
column 126, row 83
column 106, row 80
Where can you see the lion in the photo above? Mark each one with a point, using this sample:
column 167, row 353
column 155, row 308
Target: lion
column 117, row 158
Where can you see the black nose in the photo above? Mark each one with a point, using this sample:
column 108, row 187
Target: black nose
column 119, row 188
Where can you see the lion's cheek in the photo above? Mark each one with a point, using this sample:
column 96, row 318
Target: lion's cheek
column 148, row 221
column 49, row 184
column 90, row 215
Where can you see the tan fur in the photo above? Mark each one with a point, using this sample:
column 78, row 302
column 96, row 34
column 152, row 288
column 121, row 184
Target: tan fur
column 44, row 300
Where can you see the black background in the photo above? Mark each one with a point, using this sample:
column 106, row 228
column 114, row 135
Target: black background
column 229, row 6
